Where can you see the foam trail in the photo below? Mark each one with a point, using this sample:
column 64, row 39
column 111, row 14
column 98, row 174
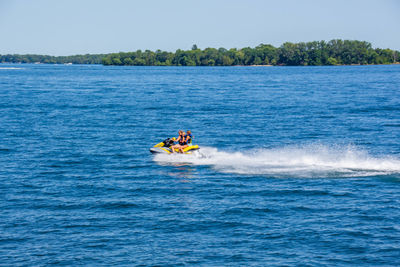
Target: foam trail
column 10, row 68
column 304, row 161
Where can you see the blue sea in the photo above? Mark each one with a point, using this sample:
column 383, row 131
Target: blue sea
column 298, row 166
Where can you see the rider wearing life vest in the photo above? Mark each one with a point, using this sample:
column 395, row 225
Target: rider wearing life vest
column 184, row 140
column 189, row 137
column 181, row 142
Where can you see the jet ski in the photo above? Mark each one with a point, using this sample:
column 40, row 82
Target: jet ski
column 165, row 147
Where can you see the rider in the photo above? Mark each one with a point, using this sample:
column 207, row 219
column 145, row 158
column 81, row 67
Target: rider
column 187, row 141
column 181, row 142
column 189, row 137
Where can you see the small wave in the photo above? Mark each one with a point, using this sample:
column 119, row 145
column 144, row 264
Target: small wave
column 10, row 68
column 299, row 161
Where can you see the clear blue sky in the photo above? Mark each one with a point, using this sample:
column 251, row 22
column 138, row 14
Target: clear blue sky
column 66, row 27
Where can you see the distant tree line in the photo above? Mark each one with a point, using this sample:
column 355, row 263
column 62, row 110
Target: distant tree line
column 317, row 53
column 76, row 59
column 334, row 52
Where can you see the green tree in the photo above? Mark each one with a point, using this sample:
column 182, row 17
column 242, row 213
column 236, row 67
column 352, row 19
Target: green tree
column 139, row 62
column 128, row 61
column 331, row 61
column 116, row 60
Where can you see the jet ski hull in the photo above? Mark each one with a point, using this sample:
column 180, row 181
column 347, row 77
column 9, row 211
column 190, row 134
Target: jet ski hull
column 161, row 149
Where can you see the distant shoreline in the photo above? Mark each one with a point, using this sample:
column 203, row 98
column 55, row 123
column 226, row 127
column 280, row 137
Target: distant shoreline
column 317, row 53
column 232, row 66
column 395, row 63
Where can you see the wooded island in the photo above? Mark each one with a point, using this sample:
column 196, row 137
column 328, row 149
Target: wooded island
column 317, row 53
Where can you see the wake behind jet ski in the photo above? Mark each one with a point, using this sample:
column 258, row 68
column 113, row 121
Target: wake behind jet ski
column 168, row 146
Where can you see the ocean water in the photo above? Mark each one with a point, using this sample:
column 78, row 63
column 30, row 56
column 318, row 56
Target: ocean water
column 297, row 166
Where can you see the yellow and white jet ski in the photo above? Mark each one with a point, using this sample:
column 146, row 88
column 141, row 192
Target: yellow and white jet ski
column 164, row 147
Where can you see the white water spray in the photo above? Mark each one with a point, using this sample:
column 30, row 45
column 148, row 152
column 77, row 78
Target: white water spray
column 10, row 68
column 304, row 161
